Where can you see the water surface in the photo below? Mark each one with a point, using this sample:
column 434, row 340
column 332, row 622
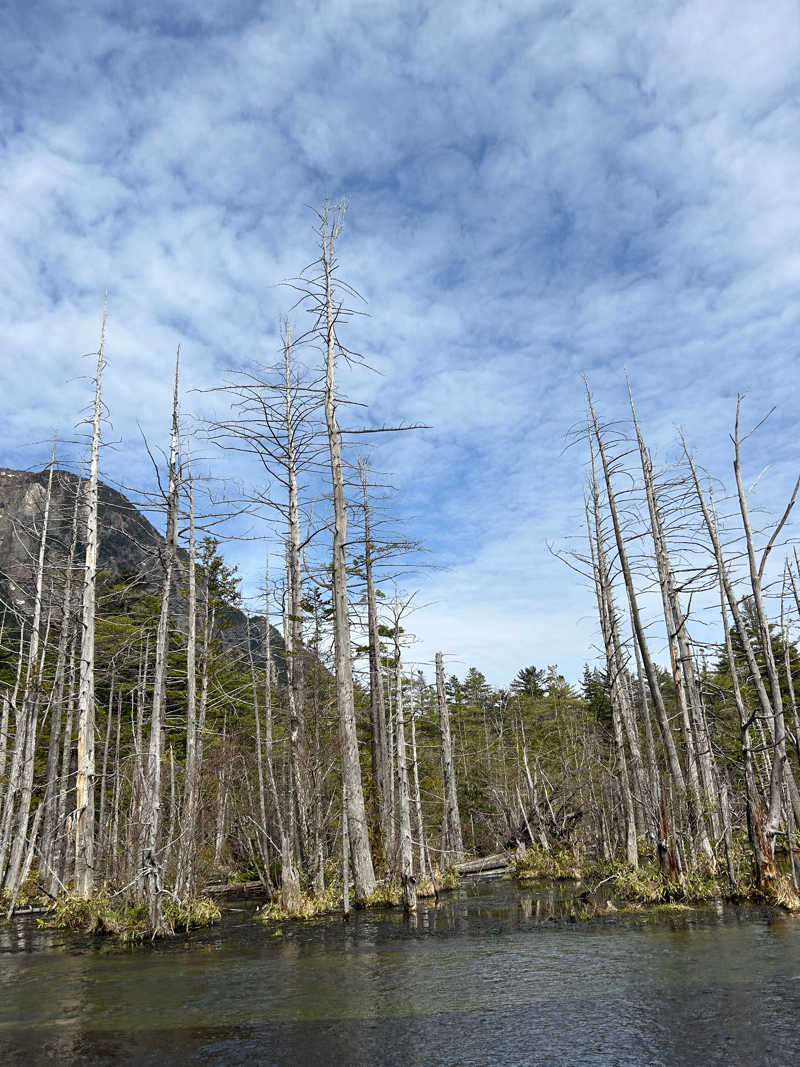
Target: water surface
column 495, row 974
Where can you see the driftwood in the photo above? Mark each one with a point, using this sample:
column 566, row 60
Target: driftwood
column 498, row 862
column 234, row 889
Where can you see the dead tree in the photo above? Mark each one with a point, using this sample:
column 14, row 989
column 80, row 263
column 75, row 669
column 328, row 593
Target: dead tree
column 673, row 762
column 687, row 693
column 153, row 865
column 84, row 813
column 363, row 873
column 377, row 704
column 407, row 880
column 617, row 691
column 452, row 843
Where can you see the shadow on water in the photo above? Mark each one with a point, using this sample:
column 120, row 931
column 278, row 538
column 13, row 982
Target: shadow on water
column 495, row 974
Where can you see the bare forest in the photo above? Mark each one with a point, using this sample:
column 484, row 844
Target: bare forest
column 162, row 742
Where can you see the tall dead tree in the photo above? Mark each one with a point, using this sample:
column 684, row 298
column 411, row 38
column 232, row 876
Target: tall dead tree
column 293, row 638
column 329, row 231
column 781, row 771
column 452, row 843
column 153, row 867
column 617, row 691
column 762, row 838
column 50, row 826
column 184, row 878
column 673, row 762
column 85, row 782
column 407, row 880
column 377, row 704
column 27, row 721
column 687, row 693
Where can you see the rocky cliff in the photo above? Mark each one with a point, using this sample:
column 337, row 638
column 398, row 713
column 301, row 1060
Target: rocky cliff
column 128, row 546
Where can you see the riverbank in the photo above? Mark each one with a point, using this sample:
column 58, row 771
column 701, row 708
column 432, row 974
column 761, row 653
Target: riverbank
column 646, row 885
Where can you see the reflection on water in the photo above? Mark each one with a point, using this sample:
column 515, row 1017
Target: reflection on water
column 495, row 974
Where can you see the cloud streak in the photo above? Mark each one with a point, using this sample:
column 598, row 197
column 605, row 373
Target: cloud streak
column 535, row 192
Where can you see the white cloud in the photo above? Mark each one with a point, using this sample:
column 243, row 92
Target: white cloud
column 535, row 192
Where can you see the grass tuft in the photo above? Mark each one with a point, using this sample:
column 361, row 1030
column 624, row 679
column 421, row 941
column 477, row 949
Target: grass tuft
column 128, row 920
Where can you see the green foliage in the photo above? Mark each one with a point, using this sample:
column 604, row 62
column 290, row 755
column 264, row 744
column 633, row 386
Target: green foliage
column 529, row 681
column 311, row 905
column 438, row 882
column 594, row 690
column 128, row 919
column 388, row 895
column 646, row 885
column 29, row 895
column 540, row 864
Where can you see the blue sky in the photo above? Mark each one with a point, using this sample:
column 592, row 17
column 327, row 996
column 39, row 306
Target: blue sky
column 536, row 190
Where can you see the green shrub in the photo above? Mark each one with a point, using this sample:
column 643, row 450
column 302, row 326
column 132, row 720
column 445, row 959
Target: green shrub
column 127, row 919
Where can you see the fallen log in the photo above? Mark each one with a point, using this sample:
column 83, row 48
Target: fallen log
column 498, row 862
column 234, row 888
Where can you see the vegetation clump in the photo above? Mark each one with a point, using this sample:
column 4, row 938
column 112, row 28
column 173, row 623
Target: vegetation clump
column 780, row 893
column 308, row 906
column 29, row 895
column 129, row 920
column 647, row 885
column 437, row 882
column 557, row 864
column 387, row 894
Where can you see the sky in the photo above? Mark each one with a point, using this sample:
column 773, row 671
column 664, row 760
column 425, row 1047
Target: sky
column 536, row 191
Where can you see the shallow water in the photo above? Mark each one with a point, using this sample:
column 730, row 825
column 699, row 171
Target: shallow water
column 494, row 975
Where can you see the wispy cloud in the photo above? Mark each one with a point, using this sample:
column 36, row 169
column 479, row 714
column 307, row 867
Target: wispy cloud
column 535, row 191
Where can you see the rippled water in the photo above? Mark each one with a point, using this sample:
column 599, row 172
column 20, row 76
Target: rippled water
column 494, row 975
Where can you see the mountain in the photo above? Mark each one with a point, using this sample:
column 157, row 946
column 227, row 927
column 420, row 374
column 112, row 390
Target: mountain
column 129, row 547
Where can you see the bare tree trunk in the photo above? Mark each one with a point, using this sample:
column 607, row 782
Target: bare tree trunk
column 27, row 862
column 184, row 876
column 763, row 849
column 27, row 722
column 407, row 880
column 680, row 655
column 12, row 785
column 673, row 762
column 363, row 872
column 153, row 866
column 261, row 836
column 779, row 766
column 115, row 803
column 65, row 635
column 4, row 735
column 452, row 843
column 102, row 841
column 293, row 639
column 290, row 879
column 62, row 850
column 787, row 666
column 84, row 814
column 345, row 856
column 422, row 847
column 222, row 799
column 618, row 693
column 377, row 706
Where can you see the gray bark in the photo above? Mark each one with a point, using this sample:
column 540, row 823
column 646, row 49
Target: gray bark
column 407, row 880
column 84, row 813
column 153, row 864
column 452, row 843
column 363, row 872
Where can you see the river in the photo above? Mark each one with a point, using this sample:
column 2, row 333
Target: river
column 494, row 975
